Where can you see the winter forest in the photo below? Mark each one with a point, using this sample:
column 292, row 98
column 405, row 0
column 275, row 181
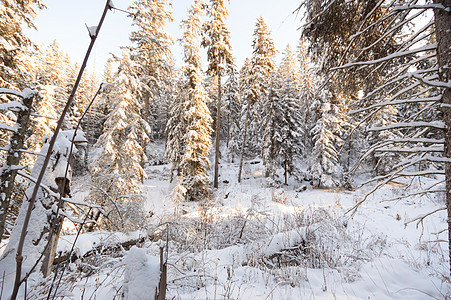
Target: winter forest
column 321, row 170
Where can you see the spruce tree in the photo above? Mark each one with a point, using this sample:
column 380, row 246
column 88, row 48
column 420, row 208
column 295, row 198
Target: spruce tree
column 151, row 50
column 194, row 162
column 117, row 172
column 176, row 130
column 232, row 107
column 282, row 119
column 257, row 79
column 217, row 39
column 14, row 42
column 325, row 166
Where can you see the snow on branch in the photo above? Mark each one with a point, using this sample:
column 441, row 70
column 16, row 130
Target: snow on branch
column 393, row 29
column 13, row 128
column 25, row 94
column 442, row 84
column 83, row 203
column 75, row 220
column 413, row 194
column 434, row 124
column 398, row 77
column 421, row 217
column 417, row 6
column 439, row 148
column 429, row 47
column 396, row 102
column 399, row 173
column 43, row 186
column 12, row 106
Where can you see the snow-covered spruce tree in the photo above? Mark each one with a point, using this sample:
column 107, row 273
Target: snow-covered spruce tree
column 257, row 79
column 160, row 106
column 307, row 89
column 197, row 138
column 52, row 78
column 282, row 119
column 151, row 50
column 381, row 162
column 271, row 139
column 101, row 107
column 176, row 130
column 232, row 108
column 325, row 166
column 14, row 42
column 219, row 54
column 117, row 173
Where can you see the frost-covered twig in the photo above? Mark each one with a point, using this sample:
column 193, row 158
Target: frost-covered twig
column 421, row 217
column 426, row 48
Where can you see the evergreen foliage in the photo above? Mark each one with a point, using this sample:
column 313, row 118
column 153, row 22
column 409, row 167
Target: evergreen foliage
column 197, row 138
column 117, row 172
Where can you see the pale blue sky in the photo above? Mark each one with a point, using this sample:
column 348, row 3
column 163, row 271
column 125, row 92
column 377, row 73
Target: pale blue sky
column 65, row 20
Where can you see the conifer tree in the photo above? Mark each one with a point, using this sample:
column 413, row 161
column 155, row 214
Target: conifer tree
column 307, row 90
column 217, row 39
column 176, row 130
column 151, row 50
column 258, row 75
column 194, row 162
column 117, row 172
column 325, row 165
column 14, row 42
column 282, row 119
column 232, row 108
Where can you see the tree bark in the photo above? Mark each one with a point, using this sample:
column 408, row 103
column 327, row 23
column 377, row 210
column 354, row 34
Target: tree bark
column 218, row 129
column 7, row 178
column 285, row 171
column 244, row 142
column 442, row 29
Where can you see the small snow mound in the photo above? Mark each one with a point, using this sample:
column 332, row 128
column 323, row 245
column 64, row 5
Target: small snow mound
column 92, row 31
column 142, row 274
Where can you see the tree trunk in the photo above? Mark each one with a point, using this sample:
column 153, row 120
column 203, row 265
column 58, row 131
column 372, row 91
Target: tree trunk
column 228, row 126
column 218, row 128
column 244, row 142
column 286, row 171
column 7, row 178
column 88, row 137
column 442, row 27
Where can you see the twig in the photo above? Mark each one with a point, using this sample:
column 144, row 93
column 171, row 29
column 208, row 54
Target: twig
column 422, row 217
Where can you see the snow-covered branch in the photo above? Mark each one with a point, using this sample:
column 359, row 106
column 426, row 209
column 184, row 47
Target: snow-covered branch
column 446, row 85
column 426, row 48
column 421, row 217
column 396, row 102
column 25, row 94
column 433, row 124
column 422, row 7
column 411, row 149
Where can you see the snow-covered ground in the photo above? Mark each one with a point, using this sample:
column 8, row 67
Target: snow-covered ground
column 257, row 242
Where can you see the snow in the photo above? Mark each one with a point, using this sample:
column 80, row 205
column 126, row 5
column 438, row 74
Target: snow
column 13, row 128
column 142, row 274
column 12, row 106
column 88, row 241
column 26, row 93
column 92, row 30
column 374, row 254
